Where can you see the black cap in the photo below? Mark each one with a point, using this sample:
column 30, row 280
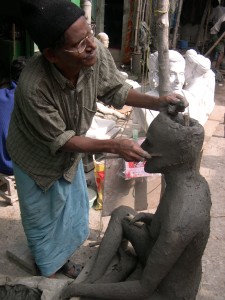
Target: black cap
column 47, row 20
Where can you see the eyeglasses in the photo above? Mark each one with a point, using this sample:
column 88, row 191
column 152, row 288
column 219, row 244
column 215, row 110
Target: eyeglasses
column 82, row 45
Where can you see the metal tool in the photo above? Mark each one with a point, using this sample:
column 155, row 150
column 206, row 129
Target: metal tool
column 116, row 156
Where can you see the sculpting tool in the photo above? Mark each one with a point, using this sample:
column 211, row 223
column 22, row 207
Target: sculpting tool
column 148, row 156
column 186, row 119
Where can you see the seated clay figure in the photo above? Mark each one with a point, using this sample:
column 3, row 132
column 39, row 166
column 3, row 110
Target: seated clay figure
column 168, row 245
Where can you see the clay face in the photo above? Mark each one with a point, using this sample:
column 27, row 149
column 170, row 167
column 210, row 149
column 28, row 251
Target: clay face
column 176, row 143
column 161, row 138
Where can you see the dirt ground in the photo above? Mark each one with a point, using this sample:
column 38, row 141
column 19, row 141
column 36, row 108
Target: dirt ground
column 12, row 235
column 212, row 167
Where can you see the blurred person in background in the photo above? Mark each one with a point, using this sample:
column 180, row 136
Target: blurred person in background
column 8, row 83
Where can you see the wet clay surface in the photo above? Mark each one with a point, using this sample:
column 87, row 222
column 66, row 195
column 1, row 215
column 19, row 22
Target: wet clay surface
column 170, row 243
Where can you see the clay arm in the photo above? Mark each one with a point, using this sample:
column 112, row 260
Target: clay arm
column 131, row 290
column 110, row 243
column 163, row 256
column 137, row 99
column 165, row 253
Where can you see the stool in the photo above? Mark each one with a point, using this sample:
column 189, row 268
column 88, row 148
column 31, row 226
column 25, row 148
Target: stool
column 8, row 188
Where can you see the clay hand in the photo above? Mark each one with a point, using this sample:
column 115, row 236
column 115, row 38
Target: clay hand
column 131, row 151
column 142, row 217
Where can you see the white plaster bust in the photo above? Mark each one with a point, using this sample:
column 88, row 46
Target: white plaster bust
column 196, row 66
column 190, row 76
column 199, row 85
column 103, row 38
column 177, row 67
column 143, row 116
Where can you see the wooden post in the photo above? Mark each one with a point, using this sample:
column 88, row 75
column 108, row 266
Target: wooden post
column 206, row 30
column 100, row 12
column 136, row 44
column 214, row 45
column 162, row 28
column 86, row 6
column 207, row 8
column 177, row 25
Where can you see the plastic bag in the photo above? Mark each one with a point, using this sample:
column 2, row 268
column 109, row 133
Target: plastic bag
column 99, row 171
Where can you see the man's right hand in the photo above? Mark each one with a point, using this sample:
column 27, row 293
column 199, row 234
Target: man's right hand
column 129, row 150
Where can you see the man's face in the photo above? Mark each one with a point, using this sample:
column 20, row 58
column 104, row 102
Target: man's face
column 79, row 49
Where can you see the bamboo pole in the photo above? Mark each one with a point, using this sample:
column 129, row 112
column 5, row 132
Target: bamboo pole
column 146, row 18
column 162, row 25
column 137, row 26
column 174, row 44
column 143, row 10
column 214, row 45
column 207, row 8
column 205, row 31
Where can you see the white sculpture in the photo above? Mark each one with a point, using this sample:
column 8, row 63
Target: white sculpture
column 103, row 38
column 143, row 116
column 177, row 68
column 199, row 86
column 191, row 77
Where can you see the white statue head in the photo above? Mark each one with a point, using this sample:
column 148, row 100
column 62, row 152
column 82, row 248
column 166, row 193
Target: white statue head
column 177, row 68
column 103, row 38
column 196, row 65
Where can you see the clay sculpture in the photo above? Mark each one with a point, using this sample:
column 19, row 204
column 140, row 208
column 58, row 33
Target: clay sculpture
column 159, row 256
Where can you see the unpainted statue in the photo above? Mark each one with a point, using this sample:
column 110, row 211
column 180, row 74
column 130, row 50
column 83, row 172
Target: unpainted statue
column 191, row 76
column 143, row 116
column 163, row 259
column 103, row 38
column 199, row 86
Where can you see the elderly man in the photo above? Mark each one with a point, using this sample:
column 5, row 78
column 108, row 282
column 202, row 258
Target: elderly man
column 55, row 102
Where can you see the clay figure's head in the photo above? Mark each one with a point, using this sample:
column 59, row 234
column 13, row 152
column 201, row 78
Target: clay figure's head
column 177, row 67
column 103, row 38
column 178, row 144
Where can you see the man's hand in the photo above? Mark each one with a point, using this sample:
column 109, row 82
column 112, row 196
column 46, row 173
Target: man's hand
column 129, row 150
column 149, row 101
column 173, row 100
